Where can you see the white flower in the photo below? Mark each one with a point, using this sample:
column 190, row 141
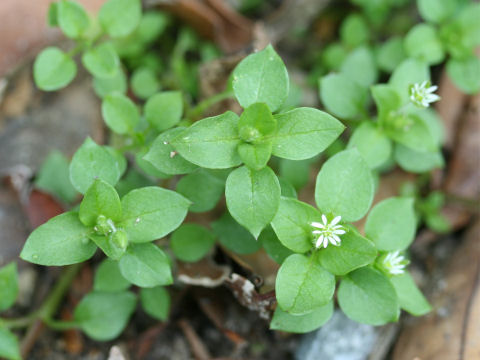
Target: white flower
column 422, row 94
column 327, row 232
column 394, row 263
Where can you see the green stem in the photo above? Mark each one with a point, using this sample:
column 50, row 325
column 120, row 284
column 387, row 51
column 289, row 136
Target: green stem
column 50, row 305
column 18, row 322
column 202, row 106
column 61, row 325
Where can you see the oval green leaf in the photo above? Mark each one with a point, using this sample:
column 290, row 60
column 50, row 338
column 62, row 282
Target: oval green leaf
column 261, row 78
column 146, row 265
column 302, row 285
column 211, row 142
column 253, row 197
column 53, row 69
column 62, row 240
column 367, row 296
column 152, row 212
column 345, row 186
column 391, row 224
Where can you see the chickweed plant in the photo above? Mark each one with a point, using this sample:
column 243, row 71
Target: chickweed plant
column 255, row 161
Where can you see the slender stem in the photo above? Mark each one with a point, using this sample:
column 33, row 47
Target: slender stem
column 18, row 322
column 49, row 306
column 202, row 106
column 61, row 325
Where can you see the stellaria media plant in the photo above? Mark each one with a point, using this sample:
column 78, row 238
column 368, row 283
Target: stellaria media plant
column 250, row 159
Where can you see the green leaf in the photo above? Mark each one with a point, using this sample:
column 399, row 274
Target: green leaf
column 354, row 252
column 388, row 101
column 390, row 54
column 53, row 69
column 102, row 60
column 52, row 17
column 72, row 18
column 106, row 86
column 368, row 297
column 91, row 162
column 374, row 146
column 410, row 297
column 146, row 265
column 100, row 199
column 465, row 74
column 301, row 324
column 120, row 159
column 292, row 224
column 261, row 78
column 422, row 42
column 255, row 156
column 163, row 156
column 345, row 186
column 152, row 25
column 287, row 189
column 304, row 132
column 417, row 161
column 360, row 66
column 120, row 113
column 120, row 17
column 391, row 224
column 273, row 246
column 412, row 132
column 253, row 197
column 9, row 347
column 296, row 173
column 434, row 123
column 191, row 242
column 144, row 82
column 342, row 96
column 164, row 109
column 108, row 277
column 53, row 177
column 409, row 72
column 354, row 31
column 211, row 142
column 333, row 56
column 63, row 240
column 8, row 286
column 202, row 188
column 233, row 236
column 437, row 11
column 156, row 302
column 256, row 122
column 152, row 212
column 104, row 315
column 109, row 247
column 302, row 285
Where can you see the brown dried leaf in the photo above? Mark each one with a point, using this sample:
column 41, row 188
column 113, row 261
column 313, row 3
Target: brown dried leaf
column 452, row 330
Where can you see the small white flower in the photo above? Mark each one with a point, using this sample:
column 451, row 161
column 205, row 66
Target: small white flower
column 422, row 94
column 327, row 232
column 394, row 263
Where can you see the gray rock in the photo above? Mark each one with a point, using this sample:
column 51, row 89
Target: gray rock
column 339, row 339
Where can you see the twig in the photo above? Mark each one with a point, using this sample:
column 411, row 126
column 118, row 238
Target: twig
column 200, row 351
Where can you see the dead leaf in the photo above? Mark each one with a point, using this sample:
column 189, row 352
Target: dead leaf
column 204, row 273
column 452, row 330
column 213, row 19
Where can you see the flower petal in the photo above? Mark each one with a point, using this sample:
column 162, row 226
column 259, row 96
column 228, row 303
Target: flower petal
column 324, row 219
column 317, row 224
column 336, row 220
